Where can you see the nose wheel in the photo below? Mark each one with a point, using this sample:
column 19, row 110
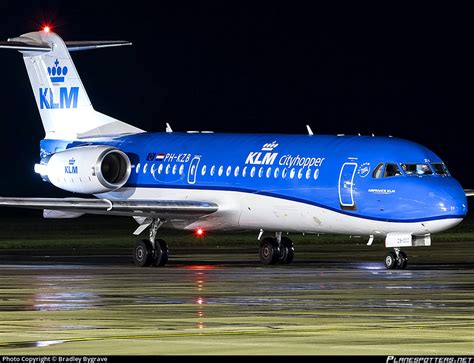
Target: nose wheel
column 396, row 260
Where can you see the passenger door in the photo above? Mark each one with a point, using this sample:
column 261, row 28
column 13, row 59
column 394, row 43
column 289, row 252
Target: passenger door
column 346, row 185
column 193, row 169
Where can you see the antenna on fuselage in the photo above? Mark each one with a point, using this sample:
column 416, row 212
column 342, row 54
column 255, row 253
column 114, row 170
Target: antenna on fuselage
column 310, row 132
column 168, row 128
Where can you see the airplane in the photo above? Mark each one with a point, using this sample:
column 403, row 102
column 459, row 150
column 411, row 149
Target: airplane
column 379, row 187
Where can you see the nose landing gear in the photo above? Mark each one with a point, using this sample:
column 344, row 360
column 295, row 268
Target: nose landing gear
column 396, row 259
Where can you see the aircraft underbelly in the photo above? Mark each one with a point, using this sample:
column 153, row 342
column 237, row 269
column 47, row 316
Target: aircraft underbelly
column 238, row 210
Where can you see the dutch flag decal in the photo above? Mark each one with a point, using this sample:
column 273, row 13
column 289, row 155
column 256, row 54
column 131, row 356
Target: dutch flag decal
column 160, row 156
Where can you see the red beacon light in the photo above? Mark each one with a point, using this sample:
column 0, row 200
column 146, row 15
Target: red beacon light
column 199, row 232
column 46, row 28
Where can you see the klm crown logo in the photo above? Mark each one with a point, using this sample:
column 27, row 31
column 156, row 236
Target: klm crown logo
column 270, row 146
column 57, row 73
column 71, row 168
column 58, row 97
column 263, row 158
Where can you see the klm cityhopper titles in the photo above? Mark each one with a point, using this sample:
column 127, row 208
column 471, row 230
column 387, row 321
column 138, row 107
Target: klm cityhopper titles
column 356, row 185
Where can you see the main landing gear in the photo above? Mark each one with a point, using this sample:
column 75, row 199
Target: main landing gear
column 396, row 260
column 153, row 252
column 276, row 249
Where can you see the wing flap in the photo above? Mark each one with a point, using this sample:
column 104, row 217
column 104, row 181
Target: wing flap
column 147, row 208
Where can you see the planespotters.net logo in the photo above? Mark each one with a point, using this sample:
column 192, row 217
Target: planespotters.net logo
column 393, row 359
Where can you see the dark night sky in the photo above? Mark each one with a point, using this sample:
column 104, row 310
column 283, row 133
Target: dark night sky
column 233, row 68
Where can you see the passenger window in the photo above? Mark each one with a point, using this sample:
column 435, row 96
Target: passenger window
column 168, row 169
column 203, row 170
column 308, row 173
column 300, row 173
column 181, row 170
column 160, row 168
column 175, row 168
column 153, row 168
column 378, row 171
column 391, row 170
column 213, row 170
column 316, row 174
column 137, row 170
column 236, row 171
column 269, row 172
column 221, row 170
column 244, row 171
column 252, row 172
column 229, row 170
column 144, row 168
column 292, row 173
column 284, row 173
column 277, row 172
column 260, row 172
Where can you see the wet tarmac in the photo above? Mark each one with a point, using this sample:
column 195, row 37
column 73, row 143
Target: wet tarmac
column 218, row 303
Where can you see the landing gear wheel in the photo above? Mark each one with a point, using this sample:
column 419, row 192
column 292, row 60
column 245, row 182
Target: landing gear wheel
column 268, row 251
column 287, row 251
column 390, row 261
column 402, row 260
column 160, row 256
column 142, row 254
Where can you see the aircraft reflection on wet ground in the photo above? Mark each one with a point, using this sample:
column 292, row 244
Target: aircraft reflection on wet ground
column 221, row 305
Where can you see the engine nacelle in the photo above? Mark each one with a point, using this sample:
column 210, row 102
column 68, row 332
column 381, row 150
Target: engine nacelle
column 87, row 169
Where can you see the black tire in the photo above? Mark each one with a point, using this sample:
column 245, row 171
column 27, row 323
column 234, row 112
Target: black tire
column 402, row 261
column 390, row 261
column 161, row 254
column 142, row 253
column 268, row 251
column 287, row 252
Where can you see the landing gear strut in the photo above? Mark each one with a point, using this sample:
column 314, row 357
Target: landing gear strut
column 153, row 251
column 396, row 259
column 276, row 249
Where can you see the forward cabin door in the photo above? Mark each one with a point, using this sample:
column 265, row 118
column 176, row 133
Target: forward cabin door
column 346, row 185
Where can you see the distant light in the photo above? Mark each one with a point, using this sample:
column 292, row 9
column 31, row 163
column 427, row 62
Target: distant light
column 46, row 28
column 199, row 232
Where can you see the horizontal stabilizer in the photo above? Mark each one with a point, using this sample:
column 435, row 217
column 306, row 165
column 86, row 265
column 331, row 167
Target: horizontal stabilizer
column 74, row 46
column 27, row 44
column 149, row 208
column 23, row 46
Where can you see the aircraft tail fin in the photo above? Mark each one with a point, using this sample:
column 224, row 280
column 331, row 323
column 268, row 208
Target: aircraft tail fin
column 62, row 101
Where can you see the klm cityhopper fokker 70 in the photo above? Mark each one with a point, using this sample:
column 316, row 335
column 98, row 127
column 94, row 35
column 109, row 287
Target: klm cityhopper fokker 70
column 356, row 185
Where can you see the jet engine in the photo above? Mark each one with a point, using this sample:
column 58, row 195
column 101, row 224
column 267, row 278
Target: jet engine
column 90, row 169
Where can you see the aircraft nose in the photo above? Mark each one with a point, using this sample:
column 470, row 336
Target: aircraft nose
column 450, row 197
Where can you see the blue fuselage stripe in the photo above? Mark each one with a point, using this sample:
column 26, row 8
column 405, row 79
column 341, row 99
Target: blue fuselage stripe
column 286, row 197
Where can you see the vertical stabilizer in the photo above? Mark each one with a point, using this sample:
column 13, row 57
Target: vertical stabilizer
column 62, row 101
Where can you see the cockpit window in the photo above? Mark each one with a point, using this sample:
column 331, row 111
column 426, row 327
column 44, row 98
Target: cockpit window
column 378, row 171
column 391, row 170
column 440, row 169
column 417, row 169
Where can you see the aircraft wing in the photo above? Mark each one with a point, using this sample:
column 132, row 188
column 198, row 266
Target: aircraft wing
column 163, row 209
column 469, row 192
